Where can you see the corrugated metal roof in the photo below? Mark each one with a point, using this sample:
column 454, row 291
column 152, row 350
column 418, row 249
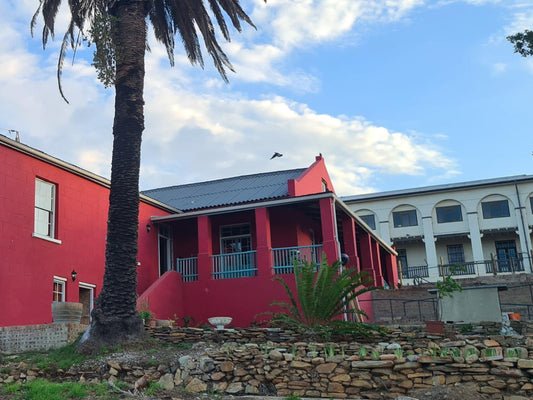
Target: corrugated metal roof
column 222, row 192
column 438, row 188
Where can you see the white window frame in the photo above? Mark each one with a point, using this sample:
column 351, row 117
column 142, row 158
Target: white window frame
column 63, row 283
column 164, row 233
column 50, row 235
column 91, row 287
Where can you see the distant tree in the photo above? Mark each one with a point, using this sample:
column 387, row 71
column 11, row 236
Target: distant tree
column 523, row 43
column 119, row 31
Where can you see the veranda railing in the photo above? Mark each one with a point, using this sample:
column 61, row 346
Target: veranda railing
column 234, row 265
column 284, row 257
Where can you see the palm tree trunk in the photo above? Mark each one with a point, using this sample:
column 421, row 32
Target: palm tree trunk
column 115, row 319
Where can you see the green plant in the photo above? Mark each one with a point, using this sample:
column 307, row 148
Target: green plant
column 512, row 353
column 151, row 363
column 455, row 352
column 470, row 351
column 466, row 328
column 447, row 287
column 375, row 354
column 293, row 350
column 362, row 352
column 489, row 352
column 444, row 352
column 330, row 351
column 398, row 353
column 292, row 397
column 153, row 388
column 187, row 320
column 323, row 292
column 434, row 352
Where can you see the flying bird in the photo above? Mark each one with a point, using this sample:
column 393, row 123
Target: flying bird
column 276, row 154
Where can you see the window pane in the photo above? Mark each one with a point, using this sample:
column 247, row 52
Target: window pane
column 44, row 208
column 449, row 214
column 456, row 254
column 404, row 218
column 42, row 222
column 495, row 209
column 369, row 220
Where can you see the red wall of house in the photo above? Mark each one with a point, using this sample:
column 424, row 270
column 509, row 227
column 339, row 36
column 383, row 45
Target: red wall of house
column 28, row 264
column 310, row 182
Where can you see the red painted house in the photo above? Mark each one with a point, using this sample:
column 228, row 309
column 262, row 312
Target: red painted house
column 53, row 222
column 235, row 235
column 205, row 249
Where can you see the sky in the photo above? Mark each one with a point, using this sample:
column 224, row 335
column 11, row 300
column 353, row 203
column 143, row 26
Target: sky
column 394, row 94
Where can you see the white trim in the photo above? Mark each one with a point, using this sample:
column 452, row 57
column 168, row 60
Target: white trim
column 63, row 283
column 86, row 285
column 48, row 238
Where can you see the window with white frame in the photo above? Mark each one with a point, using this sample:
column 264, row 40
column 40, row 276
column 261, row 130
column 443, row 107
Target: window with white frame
column 58, row 293
column 165, row 249
column 45, row 208
column 495, row 209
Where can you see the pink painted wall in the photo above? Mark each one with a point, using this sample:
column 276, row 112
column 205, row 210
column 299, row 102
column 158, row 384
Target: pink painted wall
column 164, row 297
column 310, row 182
column 28, row 264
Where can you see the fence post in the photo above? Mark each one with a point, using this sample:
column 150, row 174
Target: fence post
column 512, row 265
column 493, row 261
column 400, row 271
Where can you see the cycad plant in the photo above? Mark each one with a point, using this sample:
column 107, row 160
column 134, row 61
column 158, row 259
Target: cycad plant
column 323, row 293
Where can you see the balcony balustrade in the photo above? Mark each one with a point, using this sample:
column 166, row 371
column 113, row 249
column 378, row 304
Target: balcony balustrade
column 285, row 257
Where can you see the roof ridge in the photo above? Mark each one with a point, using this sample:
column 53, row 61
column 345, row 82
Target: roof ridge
column 223, row 179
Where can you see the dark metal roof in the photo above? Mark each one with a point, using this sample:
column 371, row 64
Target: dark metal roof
column 223, row 192
column 438, row 188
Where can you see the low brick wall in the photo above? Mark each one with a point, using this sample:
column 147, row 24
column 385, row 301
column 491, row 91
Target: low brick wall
column 18, row 339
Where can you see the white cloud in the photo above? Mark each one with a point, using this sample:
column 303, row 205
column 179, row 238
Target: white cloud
column 196, row 129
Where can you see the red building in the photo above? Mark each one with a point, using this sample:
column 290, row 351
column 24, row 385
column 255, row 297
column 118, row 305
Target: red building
column 52, row 222
column 205, row 249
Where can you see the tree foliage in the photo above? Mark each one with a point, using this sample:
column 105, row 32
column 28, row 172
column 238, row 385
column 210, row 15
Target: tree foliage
column 523, row 43
column 323, row 293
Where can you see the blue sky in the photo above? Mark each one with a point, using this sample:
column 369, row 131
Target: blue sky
column 394, row 93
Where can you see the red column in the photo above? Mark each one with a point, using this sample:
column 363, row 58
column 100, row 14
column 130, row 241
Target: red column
column 392, row 269
column 264, row 244
column 205, row 248
column 329, row 237
column 367, row 256
column 350, row 247
column 376, row 257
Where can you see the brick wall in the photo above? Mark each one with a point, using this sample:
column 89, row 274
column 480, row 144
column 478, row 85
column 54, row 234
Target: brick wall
column 18, row 339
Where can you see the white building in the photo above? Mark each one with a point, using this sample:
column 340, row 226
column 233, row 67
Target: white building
column 484, row 226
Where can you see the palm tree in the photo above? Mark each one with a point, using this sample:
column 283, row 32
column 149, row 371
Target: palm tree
column 118, row 29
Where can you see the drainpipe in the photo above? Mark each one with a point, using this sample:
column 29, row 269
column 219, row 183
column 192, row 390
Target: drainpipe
column 526, row 232
column 338, row 244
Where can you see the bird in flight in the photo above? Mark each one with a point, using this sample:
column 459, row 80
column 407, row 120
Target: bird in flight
column 276, row 154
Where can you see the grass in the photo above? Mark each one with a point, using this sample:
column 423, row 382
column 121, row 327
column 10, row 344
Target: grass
column 62, row 358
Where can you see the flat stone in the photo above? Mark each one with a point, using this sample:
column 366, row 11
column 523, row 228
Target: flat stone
column 276, row 355
column 196, row 386
column 372, row 364
column 525, row 364
column 227, row 366
column 234, row 388
column 326, row 368
column 166, row 382
column 341, row 378
column 300, row 365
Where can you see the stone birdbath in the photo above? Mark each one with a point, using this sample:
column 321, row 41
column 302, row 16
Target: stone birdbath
column 220, row 322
